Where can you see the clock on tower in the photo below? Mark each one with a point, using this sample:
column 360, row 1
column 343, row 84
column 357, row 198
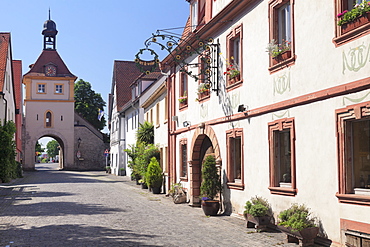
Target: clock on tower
column 50, row 70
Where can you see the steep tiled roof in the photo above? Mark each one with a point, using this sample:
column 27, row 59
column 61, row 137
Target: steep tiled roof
column 50, row 57
column 17, row 75
column 124, row 73
column 187, row 29
column 4, row 47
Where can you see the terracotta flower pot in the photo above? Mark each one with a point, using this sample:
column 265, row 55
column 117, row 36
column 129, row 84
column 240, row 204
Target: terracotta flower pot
column 210, row 207
column 281, row 57
column 304, row 237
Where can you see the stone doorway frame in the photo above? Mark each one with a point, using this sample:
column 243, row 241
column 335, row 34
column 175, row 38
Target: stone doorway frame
column 201, row 132
column 59, row 138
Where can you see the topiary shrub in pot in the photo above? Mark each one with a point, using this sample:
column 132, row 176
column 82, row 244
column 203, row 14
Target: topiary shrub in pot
column 296, row 222
column 154, row 176
column 210, row 187
column 257, row 213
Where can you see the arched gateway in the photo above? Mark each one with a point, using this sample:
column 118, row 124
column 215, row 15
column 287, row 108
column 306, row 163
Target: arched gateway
column 49, row 111
column 204, row 142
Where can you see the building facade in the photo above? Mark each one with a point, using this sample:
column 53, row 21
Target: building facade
column 290, row 127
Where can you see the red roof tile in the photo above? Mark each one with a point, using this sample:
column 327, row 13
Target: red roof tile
column 50, row 57
column 17, row 75
column 124, row 73
column 4, row 47
column 187, row 30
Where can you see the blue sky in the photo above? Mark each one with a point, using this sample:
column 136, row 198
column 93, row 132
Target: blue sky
column 91, row 34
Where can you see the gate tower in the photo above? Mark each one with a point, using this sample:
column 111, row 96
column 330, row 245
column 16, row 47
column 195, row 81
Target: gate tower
column 49, row 102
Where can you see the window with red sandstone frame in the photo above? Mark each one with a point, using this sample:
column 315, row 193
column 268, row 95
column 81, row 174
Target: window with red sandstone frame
column 235, row 178
column 234, row 59
column 183, row 158
column 353, row 127
column 281, row 14
column 282, row 157
column 347, row 31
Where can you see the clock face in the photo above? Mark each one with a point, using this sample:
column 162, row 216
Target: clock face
column 50, row 70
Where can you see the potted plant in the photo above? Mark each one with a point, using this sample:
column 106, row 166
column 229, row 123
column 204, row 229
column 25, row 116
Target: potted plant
column 279, row 52
column 178, row 193
column 122, row 171
column 144, row 186
column 210, row 187
column 257, row 213
column 183, row 99
column 232, row 70
column 296, row 222
column 154, row 176
column 358, row 16
column 107, row 169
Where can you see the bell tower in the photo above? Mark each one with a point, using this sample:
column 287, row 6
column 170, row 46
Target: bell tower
column 50, row 32
column 49, row 102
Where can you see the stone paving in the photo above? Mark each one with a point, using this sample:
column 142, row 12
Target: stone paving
column 66, row 208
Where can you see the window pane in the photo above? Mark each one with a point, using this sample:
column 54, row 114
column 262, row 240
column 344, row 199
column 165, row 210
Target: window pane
column 236, row 144
column 283, row 156
column 284, row 24
column 194, row 17
column 184, row 159
column 236, row 51
column 361, row 155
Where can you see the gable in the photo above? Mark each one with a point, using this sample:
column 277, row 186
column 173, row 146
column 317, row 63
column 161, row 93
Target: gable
column 50, row 57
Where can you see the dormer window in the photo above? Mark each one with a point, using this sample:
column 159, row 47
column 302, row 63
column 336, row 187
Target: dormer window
column 198, row 13
column 194, row 15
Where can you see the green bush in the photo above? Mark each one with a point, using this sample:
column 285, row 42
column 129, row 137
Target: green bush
column 153, row 176
column 211, row 184
column 8, row 166
column 296, row 217
column 257, row 206
column 140, row 156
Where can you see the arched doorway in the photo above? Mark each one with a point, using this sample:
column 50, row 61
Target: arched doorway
column 204, row 142
column 31, row 151
column 46, row 156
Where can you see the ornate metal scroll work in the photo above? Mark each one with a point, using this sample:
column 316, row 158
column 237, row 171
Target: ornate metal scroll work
column 181, row 49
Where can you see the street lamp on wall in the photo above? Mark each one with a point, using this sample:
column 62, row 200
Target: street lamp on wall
column 241, row 108
column 79, row 142
column 186, row 123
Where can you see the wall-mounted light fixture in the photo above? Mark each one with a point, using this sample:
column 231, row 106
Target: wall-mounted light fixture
column 79, row 142
column 186, row 123
column 241, row 108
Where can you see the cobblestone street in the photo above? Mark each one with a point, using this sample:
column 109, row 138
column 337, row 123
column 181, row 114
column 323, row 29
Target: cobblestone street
column 64, row 208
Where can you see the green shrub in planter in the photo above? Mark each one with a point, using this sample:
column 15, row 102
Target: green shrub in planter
column 153, row 175
column 211, row 184
column 257, row 207
column 297, row 217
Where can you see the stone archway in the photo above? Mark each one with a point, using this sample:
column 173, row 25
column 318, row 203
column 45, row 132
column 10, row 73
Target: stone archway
column 204, row 142
column 30, row 149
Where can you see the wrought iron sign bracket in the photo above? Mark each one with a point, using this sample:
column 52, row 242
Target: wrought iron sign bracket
column 181, row 50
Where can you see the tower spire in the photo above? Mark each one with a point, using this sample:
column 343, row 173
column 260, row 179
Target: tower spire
column 49, row 32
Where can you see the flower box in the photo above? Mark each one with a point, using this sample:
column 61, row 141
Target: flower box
column 281, row 57
column 260, row 223
column 304, row 237
column 360, row 21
